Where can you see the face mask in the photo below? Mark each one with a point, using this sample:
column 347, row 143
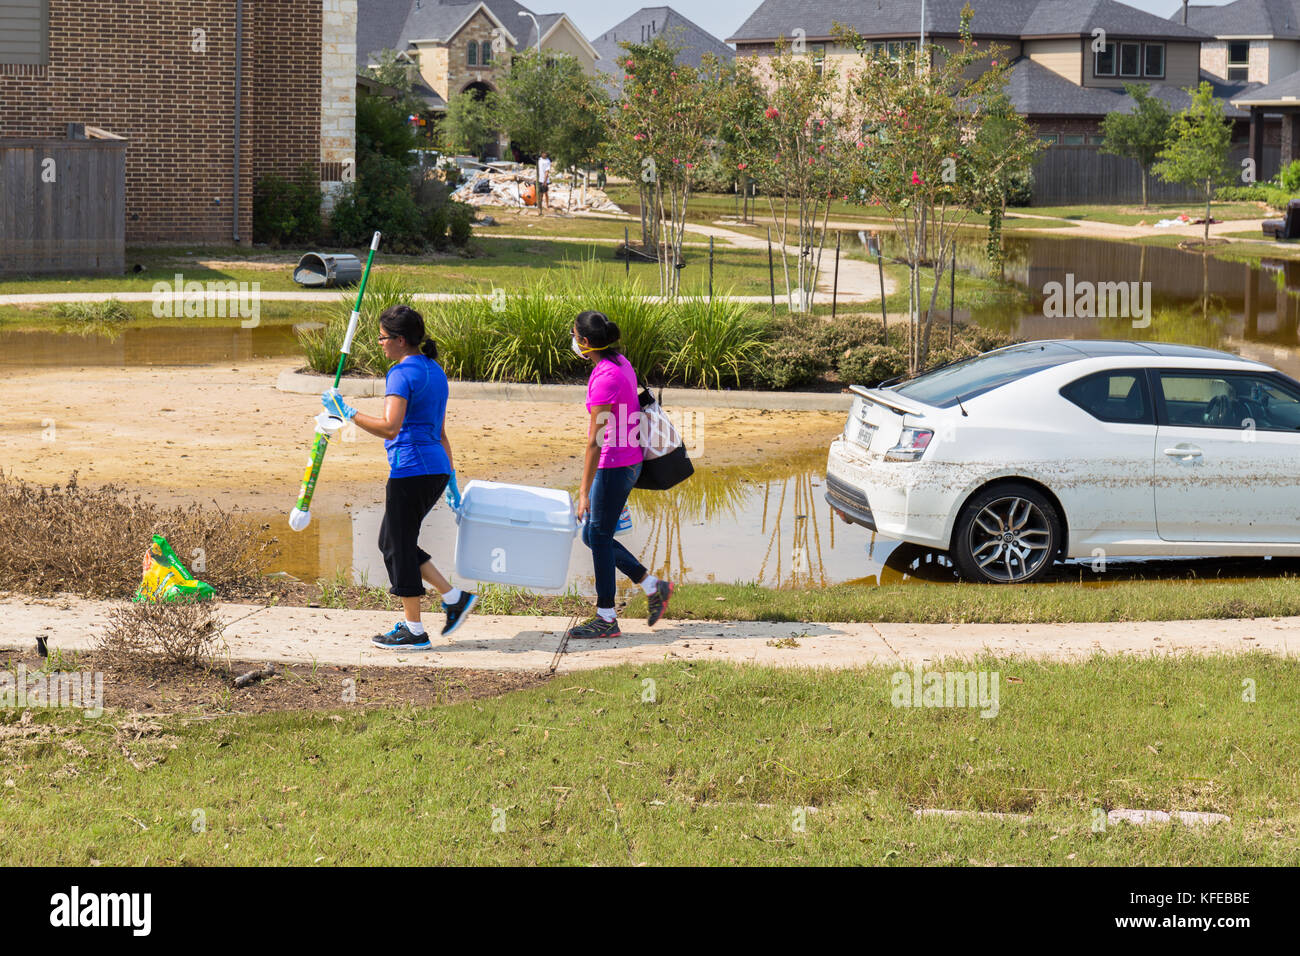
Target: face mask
column 578, row 350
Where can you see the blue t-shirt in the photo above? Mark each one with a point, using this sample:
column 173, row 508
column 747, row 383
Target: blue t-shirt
column 417, row 449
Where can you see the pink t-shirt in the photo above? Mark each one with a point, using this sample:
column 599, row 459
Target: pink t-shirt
column 613, row 383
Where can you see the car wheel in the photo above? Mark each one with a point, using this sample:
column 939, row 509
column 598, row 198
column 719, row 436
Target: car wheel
column 1009, row 534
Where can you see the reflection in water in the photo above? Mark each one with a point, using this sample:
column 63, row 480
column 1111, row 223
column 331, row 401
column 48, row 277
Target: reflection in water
column 1249, row 308
column 764, row 524
column 151, row 345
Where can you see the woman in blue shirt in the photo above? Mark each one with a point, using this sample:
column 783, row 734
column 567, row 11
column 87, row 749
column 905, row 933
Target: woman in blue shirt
column 420, row 459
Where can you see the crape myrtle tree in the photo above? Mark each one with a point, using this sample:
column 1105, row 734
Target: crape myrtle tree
column 1197, row 153
column 548, row 103
column 1139, row 135
column 787, row 118
column 660, row 130
column 928, row 155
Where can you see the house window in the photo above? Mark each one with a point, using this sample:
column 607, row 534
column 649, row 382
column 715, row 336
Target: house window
column 1153, row 57
column 1104, row 61
column 1239, row 61
column 1096, row 139
column 1130, row 59
column 1072, row 139
column 26, row 36
column 473, row 53
column 486, row 57
column 818, row 51
column 1049, row 137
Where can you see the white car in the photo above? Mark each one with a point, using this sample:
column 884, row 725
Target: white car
column 1049, row 450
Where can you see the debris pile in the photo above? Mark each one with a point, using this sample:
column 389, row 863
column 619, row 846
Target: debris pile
column 513, row 189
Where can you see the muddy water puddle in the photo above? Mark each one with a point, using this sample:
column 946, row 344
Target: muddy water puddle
column 145, row 346
column 764, row 525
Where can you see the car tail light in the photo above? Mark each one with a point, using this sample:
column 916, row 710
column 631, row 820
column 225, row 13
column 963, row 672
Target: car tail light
column 912, row 444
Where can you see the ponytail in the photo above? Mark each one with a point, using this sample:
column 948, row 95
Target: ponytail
column 600, row 331
column 404, row 321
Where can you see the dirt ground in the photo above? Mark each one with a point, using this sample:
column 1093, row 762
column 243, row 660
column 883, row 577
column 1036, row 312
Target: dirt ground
column 227, row 434
column 293, row 687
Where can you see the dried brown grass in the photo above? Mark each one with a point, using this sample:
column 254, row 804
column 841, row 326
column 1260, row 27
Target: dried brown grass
column 90, row 541
column 154, row 637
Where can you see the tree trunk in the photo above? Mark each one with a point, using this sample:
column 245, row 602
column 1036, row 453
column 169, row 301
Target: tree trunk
column 1209, row 195
column 1144, row 186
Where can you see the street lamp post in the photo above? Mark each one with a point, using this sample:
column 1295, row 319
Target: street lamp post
column 538, row 27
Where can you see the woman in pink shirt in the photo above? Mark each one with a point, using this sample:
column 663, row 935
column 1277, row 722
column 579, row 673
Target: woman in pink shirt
column 610, row 470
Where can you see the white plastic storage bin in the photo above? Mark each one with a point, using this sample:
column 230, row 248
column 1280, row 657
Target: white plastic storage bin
column 515, row 534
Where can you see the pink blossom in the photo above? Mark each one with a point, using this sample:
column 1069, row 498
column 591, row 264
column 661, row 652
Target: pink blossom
column 771, row 112
column 916, row 180
column 861, row 145
column 742, row 165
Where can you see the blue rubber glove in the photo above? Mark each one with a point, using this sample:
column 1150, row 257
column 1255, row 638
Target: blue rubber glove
column 453, row 492
column 335, row 405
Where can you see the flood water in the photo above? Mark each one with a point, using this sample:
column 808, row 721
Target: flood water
column 148, row 345
column 769, row 526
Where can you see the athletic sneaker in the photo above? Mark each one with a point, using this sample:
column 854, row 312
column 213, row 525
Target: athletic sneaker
column 456, row 613
column 401, row 638
column 658, row 602
column 596, row 627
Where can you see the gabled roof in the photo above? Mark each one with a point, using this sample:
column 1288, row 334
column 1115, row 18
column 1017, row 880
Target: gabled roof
column 993, row 18
column 650, row 22
column 1034, row 90
column 1246, row 18
column 395, row 24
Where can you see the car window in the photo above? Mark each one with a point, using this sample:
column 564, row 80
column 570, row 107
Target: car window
column 1118, row 396
column 964, row 380
column 1229, row 400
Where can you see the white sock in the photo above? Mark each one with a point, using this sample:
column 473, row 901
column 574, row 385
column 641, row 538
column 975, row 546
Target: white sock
column 415, row 627
column 649, row 583
column 606, row 614
column 452, row 596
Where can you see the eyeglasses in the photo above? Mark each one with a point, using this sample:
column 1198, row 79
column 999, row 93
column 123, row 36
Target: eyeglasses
column 388, row 338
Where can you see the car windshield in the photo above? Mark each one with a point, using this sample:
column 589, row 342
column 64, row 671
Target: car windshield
column 945, row 386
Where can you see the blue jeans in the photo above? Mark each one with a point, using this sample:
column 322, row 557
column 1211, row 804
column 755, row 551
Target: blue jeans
column 608, row 496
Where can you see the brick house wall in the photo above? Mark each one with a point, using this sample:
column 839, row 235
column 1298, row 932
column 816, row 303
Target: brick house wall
column 139, row 69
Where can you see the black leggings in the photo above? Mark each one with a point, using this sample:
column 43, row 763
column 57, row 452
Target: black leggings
column 407, row 502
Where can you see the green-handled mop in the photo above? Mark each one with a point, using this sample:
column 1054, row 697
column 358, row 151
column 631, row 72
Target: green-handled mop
column 327, row 424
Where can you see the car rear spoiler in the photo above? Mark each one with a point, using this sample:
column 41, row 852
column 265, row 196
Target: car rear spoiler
column 893, row 401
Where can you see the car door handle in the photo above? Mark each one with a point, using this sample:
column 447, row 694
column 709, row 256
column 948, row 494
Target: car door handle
column 1183, row 451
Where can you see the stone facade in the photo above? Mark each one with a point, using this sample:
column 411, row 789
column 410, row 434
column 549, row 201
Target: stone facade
column 162, row 74
column 338, row 116
column 445, row 65
column 1214, row 60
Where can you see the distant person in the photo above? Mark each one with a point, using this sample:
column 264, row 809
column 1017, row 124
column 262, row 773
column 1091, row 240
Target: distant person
column 610, row 469
column 420, row 460
column 543, row 183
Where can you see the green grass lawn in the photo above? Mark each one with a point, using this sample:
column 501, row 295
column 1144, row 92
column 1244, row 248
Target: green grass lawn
column 1134, row 214
column 933, row 603
column 677, row 763
column 496, row 262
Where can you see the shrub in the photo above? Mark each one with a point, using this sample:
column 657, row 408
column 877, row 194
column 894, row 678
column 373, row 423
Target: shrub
column 321, row 346
column 380, row 199
column 287, row 211
column 716, row 343
column 90, row 541
column 644, row 326
column 532, row 340
column 459, row 216
column 150, row 637
column 872, row 364
column 465, row 335
column 110, row 312
column 1289, row 177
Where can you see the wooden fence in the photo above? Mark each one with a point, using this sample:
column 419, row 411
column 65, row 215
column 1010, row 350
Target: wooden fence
column 1066, row 175
column 63, row 204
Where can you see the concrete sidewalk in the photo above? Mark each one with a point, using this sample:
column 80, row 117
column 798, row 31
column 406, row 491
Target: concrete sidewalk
column 485, row 642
